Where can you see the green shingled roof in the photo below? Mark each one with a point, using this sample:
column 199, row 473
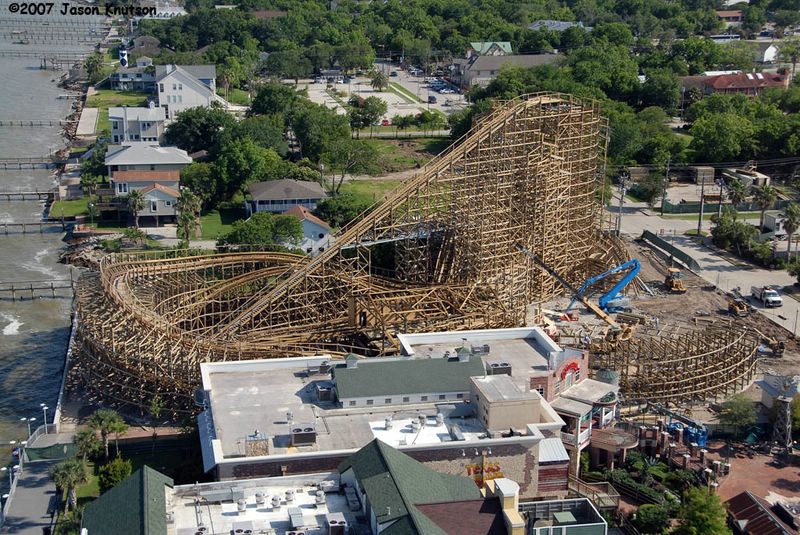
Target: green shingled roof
column 482, row 47
column 395, row 483
column 381, row 378
column 136, row 506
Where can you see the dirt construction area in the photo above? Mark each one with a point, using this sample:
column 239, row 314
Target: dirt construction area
column 702, row 304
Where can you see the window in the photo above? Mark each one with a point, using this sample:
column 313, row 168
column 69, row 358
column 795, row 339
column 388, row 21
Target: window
column 180, row 87
column 154, row 206
column 122, row 187
column 321, row 235
column 352, row 403
column 442, row 396
column 180, row 98
column 387, row 401
column 370, row 402
column 116, row 138
column 115, row 125
column 161, row 87
column 460, row 396
column 424, row 398
column 406, row 399
column 136, row 137
column 174, row 87
column 558, row 387
column 152, row 167
column 577, row 375
column 540, row 389
column 168, row 203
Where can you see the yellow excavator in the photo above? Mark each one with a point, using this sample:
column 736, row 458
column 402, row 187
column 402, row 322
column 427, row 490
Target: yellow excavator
column 674, row 281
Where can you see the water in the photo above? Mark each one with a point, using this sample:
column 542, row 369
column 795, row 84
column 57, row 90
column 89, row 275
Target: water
column 33, row 333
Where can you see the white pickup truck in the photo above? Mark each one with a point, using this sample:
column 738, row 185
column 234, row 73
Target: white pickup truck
column 767, row 295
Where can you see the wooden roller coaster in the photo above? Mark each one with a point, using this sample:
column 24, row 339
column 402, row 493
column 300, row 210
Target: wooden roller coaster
column 439, row 253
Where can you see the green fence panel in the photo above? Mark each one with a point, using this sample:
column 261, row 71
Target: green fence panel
column 54, row 452
column 665, row 246
column 711, row 207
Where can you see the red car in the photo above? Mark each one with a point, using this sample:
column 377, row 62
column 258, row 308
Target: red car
column 386, row 122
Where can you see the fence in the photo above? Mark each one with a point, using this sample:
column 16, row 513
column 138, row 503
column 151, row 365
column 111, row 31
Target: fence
column 711, row 207
column 15, row 478
column 670, row 249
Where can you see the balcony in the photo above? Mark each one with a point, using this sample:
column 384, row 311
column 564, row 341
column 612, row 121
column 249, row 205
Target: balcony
column 583, row 438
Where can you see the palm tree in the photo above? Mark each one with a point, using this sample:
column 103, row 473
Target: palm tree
column 89, row 183
column 107, row 421
column 737, row 192
column 87, row 442
column 764, row 196
column 790, row 52
column 188, row 206
column 69, row 475
column 136, row 205
column 791, row 224
column 379, row 80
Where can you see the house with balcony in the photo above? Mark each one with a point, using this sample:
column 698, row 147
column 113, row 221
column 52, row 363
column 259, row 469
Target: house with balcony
column 140, row 77
column 316, row 232
column 482, row 69
column 278, row 196
column 136, row 124
column 180, row 87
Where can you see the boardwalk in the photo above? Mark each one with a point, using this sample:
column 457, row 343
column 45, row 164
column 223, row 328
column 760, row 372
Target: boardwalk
column 13, row 290
column 26, row 227
column 33, row 123
column 23, row 195
column 42, row 162
column 33, row 500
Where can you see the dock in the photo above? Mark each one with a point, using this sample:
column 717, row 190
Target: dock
column 33, row 123
column 41, row 195
column 14, row 290
column 40, row 162
column 27, row 227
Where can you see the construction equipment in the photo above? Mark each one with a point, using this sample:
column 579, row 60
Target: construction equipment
column 737, row 306
column 693, row 430
column 776, row 346
column 674, row 281
column 617, row 332
column 611, row 300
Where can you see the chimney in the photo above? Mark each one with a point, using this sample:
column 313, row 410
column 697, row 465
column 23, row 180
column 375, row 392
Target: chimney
column 508, row 493
column 351, row 361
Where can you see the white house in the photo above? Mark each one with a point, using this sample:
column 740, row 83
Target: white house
column 316, row 232
column 159, row 204
column 136, row 124
column 277, row 196
column 179, row 89
column 137, row 164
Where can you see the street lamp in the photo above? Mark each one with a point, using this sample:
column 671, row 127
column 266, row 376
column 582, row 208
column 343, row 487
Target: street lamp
column 44, row 411
column 5, row 469
column 28, row 421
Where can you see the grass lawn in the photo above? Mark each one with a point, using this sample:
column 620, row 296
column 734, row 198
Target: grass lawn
column 218, row 222
column 404, row 93
column 103, row 122
column 332, row 93
column 402, row 154
column 370, row 191
column 109, row 98
column 235, row 96
column 69, row 208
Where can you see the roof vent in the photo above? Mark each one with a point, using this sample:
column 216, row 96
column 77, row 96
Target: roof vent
column 351, row 361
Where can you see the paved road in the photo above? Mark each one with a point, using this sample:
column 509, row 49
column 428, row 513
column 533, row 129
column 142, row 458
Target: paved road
column 28, row 513
column 714, row 267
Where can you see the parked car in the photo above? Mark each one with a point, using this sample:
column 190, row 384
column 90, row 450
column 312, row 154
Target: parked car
column 347, row 79
column 768, row 296
column 393, row 74
column 318, row 79
column 386, row 122
column 431, row 100
column 331, row 79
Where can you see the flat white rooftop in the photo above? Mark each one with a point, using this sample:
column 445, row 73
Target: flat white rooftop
column 191, row 508
column 404, row 433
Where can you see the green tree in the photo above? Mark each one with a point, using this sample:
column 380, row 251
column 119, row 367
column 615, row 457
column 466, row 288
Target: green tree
column 196, row 129
column 241, row 162
column 87, row 443
column 661, row 88
column 349, row 156
column 135, row 205
column 265, row 130
column 95, row 163
column 188, row 207
column 652, row 519
column 789, row 52
column 365, row 112
column 113, row 473
column 340, row 210
column 738, row 411
column 89, row 183
column 791, row 224
column 289, row 64
column 94, row 67
column 737, row 192
column 264, row 229
column 231, row 73
column 272, row 98
column 67, row 476
column 107, row 421
column 317, row 128
column 649, row 188
column 379, row 81
column 156, row 406
column 202, row 179
column 702, row 514
column 764, row 196
column 721, row 137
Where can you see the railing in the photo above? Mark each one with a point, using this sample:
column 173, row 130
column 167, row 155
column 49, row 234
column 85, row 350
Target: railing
column 603, row 494
column 42, row 430
column 16, row 474
column 570, row 438
column 607, row 418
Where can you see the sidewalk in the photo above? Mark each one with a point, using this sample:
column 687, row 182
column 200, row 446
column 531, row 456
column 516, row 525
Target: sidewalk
column 33, row 500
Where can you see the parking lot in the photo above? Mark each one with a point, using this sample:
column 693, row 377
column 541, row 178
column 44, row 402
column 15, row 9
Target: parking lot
column 410, row 100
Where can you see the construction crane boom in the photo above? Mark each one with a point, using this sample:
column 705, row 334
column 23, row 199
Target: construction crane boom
column 632, row 265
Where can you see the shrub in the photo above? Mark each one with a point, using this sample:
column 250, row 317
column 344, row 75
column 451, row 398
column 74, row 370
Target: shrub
column 114, row 472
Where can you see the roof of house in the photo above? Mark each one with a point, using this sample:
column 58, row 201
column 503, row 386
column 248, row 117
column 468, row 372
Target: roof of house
column 556, row 25
column 499, row 388
column 302, row 213
column 162, row 188
column 269, row 14
column 467, row 517
column 130, row 70
column 494, row 63
column 395, row 484
column 137, row 506
column 754, row 515
column 729, row 13
column 147, row 176
column 482, row 47
column 201, row 72
column 139, row 113
column 146, row 40
column 143, row 153
column 284, row 189
column 552, row 450
column 372, row 378
column 747, row 81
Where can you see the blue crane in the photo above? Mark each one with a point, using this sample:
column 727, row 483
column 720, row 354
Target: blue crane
column 607, row 299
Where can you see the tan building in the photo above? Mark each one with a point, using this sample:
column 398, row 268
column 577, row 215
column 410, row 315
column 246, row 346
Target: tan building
column 501, row 405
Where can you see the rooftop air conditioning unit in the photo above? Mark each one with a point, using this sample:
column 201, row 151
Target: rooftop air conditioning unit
column 303, row 435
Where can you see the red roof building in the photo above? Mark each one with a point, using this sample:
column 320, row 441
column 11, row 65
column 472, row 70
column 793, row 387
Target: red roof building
column 751, row 515
column 749, row 83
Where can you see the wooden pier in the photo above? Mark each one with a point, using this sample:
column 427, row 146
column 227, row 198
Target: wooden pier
column 41, row 162
column 41, row 195
column 74, row 56
column 34, row 123
column 27, row 227
column 13, row 290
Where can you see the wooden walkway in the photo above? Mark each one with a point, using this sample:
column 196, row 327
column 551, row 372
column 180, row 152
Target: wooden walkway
column 14, row 290
column 33, row 123
column 27, row 195
column 74, row 56
column 41, row 162
column 26, row 227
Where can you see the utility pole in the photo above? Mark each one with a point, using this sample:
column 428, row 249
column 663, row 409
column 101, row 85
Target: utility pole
column 664, row 189
column 702, row 201
column 719, row 204
column 623, row 187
